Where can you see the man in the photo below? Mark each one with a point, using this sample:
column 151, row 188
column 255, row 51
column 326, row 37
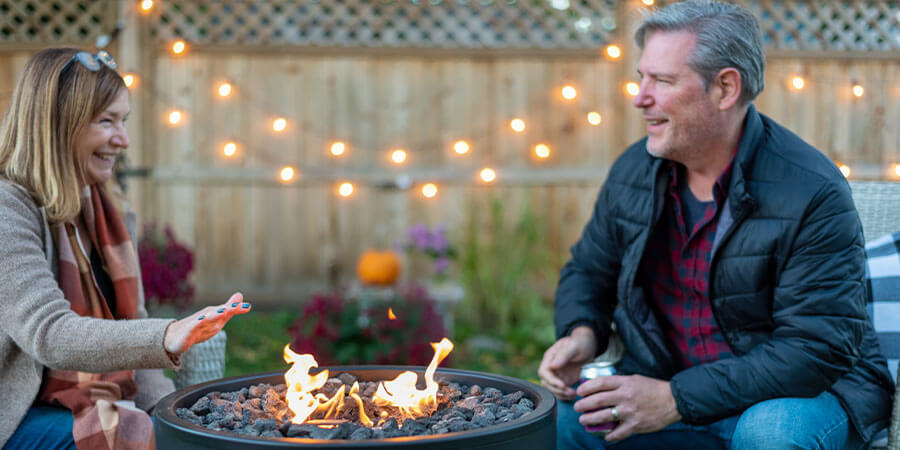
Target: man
column 729, row 255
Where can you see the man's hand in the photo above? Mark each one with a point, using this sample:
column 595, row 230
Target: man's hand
column 562, row 362
column 644, row 405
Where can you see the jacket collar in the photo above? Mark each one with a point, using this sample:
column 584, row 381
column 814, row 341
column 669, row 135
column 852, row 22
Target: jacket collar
column 740, row 199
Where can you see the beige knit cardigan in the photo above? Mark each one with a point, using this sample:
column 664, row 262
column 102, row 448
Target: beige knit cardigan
column 38, row 329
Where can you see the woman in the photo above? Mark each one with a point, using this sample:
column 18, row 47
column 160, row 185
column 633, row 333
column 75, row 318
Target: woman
column 75, row 342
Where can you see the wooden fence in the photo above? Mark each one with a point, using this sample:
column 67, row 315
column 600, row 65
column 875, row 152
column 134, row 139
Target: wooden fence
column 421, row 76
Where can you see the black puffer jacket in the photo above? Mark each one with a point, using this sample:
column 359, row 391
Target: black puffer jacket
column 786, row 282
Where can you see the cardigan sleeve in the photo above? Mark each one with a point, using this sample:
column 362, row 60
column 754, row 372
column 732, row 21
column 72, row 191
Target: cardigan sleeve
column 36, row 316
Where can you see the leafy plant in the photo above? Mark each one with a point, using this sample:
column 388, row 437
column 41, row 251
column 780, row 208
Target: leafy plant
column 339, row 330
column 510, row 274
column 166, row 266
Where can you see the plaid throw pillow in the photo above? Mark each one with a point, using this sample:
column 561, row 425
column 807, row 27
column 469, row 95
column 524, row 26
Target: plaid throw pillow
column 883, row 279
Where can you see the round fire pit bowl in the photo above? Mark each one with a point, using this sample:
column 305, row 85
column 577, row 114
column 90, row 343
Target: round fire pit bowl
column 535, row 430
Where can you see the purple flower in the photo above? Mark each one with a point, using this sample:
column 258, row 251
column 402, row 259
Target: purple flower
column 441, row 265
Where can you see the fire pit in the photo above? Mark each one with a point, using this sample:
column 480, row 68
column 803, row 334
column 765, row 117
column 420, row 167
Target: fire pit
column 533, row 430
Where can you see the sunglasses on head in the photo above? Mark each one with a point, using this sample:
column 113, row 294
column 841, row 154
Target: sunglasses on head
column 92, row 61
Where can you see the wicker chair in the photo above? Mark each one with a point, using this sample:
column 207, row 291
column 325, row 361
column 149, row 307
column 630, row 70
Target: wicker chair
column 202, row 362
column 878, row 204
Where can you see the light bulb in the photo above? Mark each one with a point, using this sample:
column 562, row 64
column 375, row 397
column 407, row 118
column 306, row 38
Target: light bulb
column 129, row 79
column 398, row 156
column 224, row 90
column 568, row 92
column 345, row 189
column 229, row 149
column 542, row 150
column 594, row 118
column 429, row 190
column 178, row 47
column 287, row 174
column 518, row 125
column 632, row 88
column 487, row 175
column 613, row 51
column 279, row 124
column 461, row 147
column 338, row 148
column 175, row 117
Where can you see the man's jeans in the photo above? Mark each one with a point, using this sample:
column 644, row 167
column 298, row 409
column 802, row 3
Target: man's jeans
column 44, row 427
column 783, row 423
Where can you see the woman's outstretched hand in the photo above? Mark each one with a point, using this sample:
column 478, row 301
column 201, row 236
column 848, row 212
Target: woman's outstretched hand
column 202, row 325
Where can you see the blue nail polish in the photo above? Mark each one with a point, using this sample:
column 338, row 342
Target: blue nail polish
column 221, row 310
column 245, row 305
column 201, row 317
column 234, row 305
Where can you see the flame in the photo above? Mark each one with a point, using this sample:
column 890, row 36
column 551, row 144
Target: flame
column 391, row 314
column 401, row 392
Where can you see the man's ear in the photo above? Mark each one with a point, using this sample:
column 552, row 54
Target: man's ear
column 728, row 88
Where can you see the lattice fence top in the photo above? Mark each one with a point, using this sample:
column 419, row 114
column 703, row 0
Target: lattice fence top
column 872, row 25
column 61, row 21
column 391, row 23
column 807, row 25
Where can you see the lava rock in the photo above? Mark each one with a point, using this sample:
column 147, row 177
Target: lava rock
column 201, row 406
column 265, row 425
column 361, row 433
column 527, row 403
column 347, row 378
column 413, row 428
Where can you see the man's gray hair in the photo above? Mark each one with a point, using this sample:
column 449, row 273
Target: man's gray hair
column 727, row 36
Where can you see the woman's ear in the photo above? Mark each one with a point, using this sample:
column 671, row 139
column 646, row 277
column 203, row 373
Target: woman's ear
column 728, row 88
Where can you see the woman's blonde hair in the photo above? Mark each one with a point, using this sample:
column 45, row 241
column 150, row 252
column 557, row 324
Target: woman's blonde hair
column 54, row 101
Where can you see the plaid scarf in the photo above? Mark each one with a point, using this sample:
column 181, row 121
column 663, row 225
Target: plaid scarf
column 101, row 403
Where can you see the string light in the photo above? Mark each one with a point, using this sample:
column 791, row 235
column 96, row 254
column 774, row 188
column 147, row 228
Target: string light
column 179, row 47
column 613, row 51
column 146, row 5
column 279, row 124
column 798, row 83
column 487, row 175
column 594, row 118
column 174, row 117
column 224, row 90
column 229, row 149
column 845, row 169
column 429, row 190
column 398, row 156
column 461, row 147
column 345, row 189
column 287, row 174
column 897, row 170
column 338, row 148
column 518, row 125
column 647, row 2
column 542, row 150
column 857, row 90
column 632, row 88
column 129, row 80
column 568, row 92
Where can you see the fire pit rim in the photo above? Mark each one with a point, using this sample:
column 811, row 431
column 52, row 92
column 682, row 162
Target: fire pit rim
column 165, row 409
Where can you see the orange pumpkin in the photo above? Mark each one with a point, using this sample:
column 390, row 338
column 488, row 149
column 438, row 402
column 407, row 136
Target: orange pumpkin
column 380, row 268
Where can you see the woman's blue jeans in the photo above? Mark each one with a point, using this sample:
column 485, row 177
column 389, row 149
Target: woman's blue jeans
column 44, row 427
column 782, row 423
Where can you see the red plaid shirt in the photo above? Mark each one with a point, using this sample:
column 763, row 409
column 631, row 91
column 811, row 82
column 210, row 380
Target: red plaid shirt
column 678, row 285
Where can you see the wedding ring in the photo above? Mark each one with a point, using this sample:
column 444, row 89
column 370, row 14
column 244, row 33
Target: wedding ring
column 615, row 413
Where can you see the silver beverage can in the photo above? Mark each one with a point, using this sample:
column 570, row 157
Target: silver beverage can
column 590, row 371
